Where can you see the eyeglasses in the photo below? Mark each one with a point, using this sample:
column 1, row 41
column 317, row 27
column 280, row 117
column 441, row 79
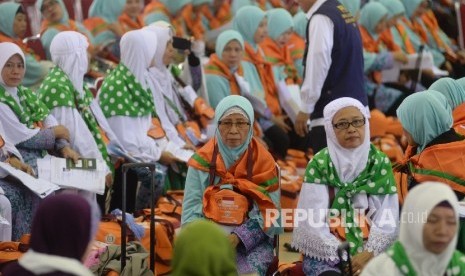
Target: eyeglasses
column 345, row 125
column 229, row 124
column 45, row 7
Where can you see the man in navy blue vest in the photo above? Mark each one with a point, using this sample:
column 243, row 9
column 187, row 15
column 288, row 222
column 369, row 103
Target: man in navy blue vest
column 333, row 65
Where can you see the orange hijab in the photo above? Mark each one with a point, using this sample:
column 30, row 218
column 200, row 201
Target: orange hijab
column 264, row 176
column 280, row 57
column 266, row 76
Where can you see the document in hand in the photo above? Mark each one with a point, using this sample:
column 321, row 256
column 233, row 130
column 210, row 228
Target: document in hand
column 55, row 170
column 289, row 99
column 258, row 104
column 41, row 187
column 392, row 74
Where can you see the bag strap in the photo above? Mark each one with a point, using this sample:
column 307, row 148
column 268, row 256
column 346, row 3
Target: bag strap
column 249, row 163
column 213, row 164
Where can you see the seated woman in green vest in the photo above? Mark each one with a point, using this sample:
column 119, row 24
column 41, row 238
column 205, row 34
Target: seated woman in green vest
column 428, row 235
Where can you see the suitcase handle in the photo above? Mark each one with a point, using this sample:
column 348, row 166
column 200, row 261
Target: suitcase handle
column 344, row 247
column 125, row 168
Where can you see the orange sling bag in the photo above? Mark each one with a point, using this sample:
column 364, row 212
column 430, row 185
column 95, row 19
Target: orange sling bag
column 226, row 206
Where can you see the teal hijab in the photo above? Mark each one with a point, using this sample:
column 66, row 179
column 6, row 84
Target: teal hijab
column 202, row 248
column 8, row 12
column 174, row 6
column 65, row 17
column 411, row 6
column 451, row 89
column 224, row 38
column 425, row 115
column 200, row 2
column 461, row 82
column 394, row 7
column 370, row 15
column 279, row 21
column 353, row 6
column 109, row 10
column 246, row 22
column 230, row 155
column 300, row 24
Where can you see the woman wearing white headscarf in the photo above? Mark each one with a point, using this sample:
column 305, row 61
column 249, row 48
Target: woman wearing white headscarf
column 428, row 236
column 161, row 80
column 351, row 177
column 168, row 91
column 70, row 101
column 127, row 103
column 30, row 126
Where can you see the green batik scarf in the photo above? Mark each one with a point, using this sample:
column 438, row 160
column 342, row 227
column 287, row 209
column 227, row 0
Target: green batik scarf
column 57, row 90
column 122, row 95
column 399, row 257
column 31, row 110
column 376, row 179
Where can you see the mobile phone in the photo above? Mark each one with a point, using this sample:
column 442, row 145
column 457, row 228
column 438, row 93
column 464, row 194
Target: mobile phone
column 181, row 43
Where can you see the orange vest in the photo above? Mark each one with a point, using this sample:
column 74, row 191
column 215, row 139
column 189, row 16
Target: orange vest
column 19, row 42
column 61, row 27
column 185, row 18
column 274, row 4
column 264, row 178
column 128, row 24
column 459, row 119
column 222, row 15
column 266, row 77
column 405, row 39
column 443, row 162
column 280, row 57
column 388, row 41
column 216, row 67
column 430, row 21
column 416, row 27
column 95, row 25
column 296, row 46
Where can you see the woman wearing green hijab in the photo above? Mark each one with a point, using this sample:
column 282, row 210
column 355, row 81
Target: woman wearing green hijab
column 13, row 23
column 251, row 23
column 234, row 165
column 203, row 249
column 436, row 148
